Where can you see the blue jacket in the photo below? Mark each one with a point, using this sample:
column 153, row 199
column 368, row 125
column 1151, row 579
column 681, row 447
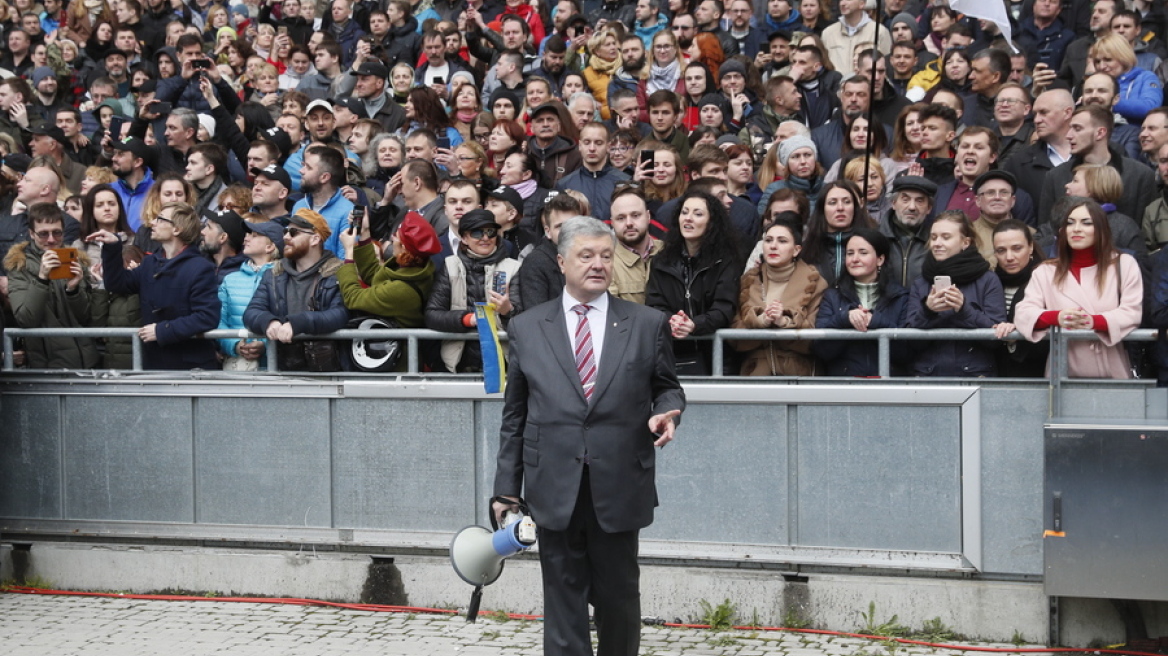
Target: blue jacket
column 790, row 24
column 595, row 185
column 134, row 198
column 1139, row 93
column 985, row 306
column 857, row 358
column 647, row 33
column 235, row 293
column 336, row 211
column 1046, row 46
column 270, row 302
column 179, row 296
column 185, row 92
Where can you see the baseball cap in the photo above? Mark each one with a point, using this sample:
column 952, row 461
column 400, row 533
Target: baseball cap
column 371, row 68
column 137, row 147
column 274, row 172
column 353, row 105
column 546, row 107
column 311, row 220
column 319, row 102
column 231, row 223
column 279, row 137
column 509, row 196
column 269, row 229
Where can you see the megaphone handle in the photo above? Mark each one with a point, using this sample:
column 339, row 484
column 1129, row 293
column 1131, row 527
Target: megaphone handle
column 472, row 611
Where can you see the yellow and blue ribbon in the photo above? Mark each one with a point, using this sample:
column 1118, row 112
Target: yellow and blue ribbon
column 494, row 359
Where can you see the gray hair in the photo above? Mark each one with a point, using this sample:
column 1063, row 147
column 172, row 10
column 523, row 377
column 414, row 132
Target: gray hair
column 369, row 159
column 190, row 119
column 583, row 95
column 801, row 129
column 582, row 226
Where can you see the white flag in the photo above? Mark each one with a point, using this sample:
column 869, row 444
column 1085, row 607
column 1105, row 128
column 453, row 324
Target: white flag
column 993, row 11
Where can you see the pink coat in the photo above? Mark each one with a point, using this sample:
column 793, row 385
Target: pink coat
column 1120, row 305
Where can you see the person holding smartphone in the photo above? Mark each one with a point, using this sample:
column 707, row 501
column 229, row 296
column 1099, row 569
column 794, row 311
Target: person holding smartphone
column 956, row 289
column 48, row 288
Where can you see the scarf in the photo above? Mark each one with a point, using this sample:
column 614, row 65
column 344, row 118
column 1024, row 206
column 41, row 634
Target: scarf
column 1022, row 278
column 603, row 66
column 664, row 77
column 525, row 189
column 963, row 268
column 775, row 280
column 465, row 115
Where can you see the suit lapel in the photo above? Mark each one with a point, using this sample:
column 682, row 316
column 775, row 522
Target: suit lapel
column 561, row 347
column 616, row 341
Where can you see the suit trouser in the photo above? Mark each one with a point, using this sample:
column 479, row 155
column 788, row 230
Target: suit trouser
column 584, row 565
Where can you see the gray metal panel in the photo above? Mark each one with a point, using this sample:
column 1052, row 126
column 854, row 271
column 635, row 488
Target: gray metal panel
column 129, row 458
column 724, row 479
column 1104, row 402
column 263, row 461
column 405, row 465
column 1011, row 438
column 489, row 417
column 30, row 457
column 870, row 477
column 1109, row 483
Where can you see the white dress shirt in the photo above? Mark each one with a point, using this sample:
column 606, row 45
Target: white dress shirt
column 597, row 317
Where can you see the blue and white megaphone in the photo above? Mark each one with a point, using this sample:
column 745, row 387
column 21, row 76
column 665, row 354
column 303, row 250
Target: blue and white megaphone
column 477, row 553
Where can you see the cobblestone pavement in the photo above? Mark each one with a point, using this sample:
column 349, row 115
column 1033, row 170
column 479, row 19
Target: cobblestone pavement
column 34, row 625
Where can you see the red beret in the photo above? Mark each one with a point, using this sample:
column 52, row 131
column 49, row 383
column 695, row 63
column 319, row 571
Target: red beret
column 418, row 236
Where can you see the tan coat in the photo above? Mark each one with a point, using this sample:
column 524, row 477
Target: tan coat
column 800, row 302
column 630, row 273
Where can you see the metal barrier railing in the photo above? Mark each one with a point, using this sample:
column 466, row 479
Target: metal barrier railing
column 413, row 336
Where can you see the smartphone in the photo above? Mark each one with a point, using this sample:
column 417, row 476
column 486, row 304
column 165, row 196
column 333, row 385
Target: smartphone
column 159, row 107
column 499, row 284
column 282, row 30
column 200, row 64
column 115, row 128
column 439, row 80
column 62, row 272
column 356, row 218
column 444, row 142
column 648, row 156
column 941, row 283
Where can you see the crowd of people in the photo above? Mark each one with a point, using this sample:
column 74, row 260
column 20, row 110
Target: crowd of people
column 293, row 168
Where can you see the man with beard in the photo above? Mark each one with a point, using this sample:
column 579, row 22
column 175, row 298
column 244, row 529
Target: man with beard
column 814, row 81
column 684, row 28
column 635, row 246
column 907, row 227
column 750, row 39
column 117, row 69
column 300, row 294
column 551, row 66
column 830, row 137
column 708, row 16
column 46, row 97
column 555, row 154
column 222, row 242
column 596, row 178
column 628, row 76
column 206, row 170
column 1101, row 89
column 321, row 178
column 131, row 162
column 887, row 104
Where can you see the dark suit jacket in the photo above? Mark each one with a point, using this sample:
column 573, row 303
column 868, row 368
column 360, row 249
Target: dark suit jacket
column 548, row 426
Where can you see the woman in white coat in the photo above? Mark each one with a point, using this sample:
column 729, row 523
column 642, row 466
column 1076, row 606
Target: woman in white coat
column 1088, row 286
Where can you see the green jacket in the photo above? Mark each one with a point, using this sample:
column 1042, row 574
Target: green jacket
column 108, row 310
column 40, row 303
column 392, row 292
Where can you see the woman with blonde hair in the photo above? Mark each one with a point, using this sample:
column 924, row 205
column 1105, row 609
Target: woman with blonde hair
column 666, row 65
column 168, row 187
column 1140, row 90
column 1103, row 184
column 877, row 200
column 602, row 65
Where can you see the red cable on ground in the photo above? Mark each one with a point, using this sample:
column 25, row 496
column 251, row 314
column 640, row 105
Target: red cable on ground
column 378, row 608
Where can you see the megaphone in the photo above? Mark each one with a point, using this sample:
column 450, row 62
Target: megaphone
column 477, row 553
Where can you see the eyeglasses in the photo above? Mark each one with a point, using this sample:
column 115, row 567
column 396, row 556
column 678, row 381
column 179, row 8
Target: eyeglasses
column 619, row 149
column 483, row 233
column 163, row 219
column 294, row 232
column 45, row 234
column 1001, row 193
column 1009, row 101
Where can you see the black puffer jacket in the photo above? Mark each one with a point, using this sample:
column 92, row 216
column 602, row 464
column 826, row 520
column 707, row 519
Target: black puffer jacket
column 442, row 313
column 707, row 291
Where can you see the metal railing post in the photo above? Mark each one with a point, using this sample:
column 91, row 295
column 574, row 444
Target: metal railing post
column 717, row 362
column 8, row 363
column 412, row 355
column 884, row 356
column 1058, row 369
column 136, row 353
column 273, row 357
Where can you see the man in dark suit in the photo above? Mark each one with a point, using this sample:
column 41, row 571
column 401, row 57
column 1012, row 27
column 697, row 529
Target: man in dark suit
column 577, row 438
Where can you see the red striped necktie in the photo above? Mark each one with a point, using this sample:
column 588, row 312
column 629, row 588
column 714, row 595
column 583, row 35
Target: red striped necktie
column 585, row 356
